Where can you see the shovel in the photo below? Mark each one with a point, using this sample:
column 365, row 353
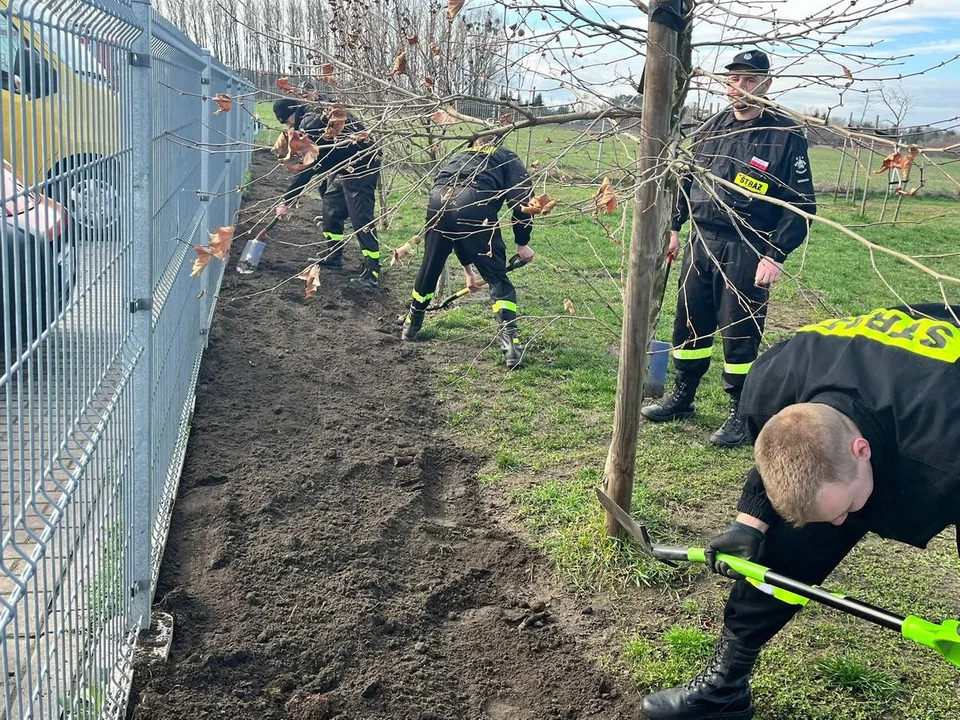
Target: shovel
column 514, row 263
column 944, row 638
column 253, row 250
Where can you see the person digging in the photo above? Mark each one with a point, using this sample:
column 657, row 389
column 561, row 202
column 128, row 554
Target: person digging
column 462, row 217
column 855, row 427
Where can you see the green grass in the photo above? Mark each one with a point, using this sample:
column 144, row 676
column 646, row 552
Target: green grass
column 544, row 431
column 941, row 175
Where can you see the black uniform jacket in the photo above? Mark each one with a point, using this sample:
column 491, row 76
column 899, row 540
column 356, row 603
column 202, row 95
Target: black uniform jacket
column 896, row 374
column 338, row 156
column 766, row 156
column 497, row 174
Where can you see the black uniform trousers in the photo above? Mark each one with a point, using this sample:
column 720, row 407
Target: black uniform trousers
column 717, row 290
column 808, row 554
column 464, row 224
column 354, row 198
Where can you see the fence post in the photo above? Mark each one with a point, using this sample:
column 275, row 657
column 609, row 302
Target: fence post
column 232, row 124
column 208, row 284
column 141, row 304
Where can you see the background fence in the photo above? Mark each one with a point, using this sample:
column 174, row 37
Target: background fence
column 115, row 165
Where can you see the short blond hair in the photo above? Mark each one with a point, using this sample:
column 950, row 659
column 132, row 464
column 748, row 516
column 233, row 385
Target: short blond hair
column 800, row 449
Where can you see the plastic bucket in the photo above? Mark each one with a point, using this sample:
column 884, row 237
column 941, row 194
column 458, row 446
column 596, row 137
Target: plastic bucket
column 659, row 359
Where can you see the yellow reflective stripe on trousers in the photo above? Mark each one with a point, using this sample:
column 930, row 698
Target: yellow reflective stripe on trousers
column 422, row 298
column 737, row 368
column 333, row 236
column 504, row 305
column 699, row 354
column 372, row 254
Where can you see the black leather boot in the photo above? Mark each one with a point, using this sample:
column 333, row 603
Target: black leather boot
column 732, row 433
column 678, row 403
column 720, row 692
column 412, row 323
column 509, row 339
column 370, row 277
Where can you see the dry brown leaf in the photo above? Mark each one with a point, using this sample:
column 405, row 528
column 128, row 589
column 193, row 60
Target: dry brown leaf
column 505, row 119
column 539, row 205
column 284, row 84
column 435, row 49
column 406, row 250
column 548, row 141
column 282, row 146
column 224, row 103
column 428, row 81
column 312, row 277
column 442, row 117
column 326, row 74
column 220, row 241
column 454, row 7
column 907, row 193
column 535, row 164
column 847, row 73
column 606, row 198
column 898, row 161
column 400, row 65
column 568, row 306
column 303, row 147
column 203, row 258
column 413, row 39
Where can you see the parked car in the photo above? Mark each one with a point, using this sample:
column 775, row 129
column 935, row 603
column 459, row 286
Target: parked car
column 37, row 264
column 60, row 115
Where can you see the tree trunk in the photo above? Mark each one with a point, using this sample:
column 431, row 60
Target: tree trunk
column 649, row 225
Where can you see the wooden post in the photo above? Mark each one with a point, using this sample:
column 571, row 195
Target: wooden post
column 843, row 155
column 866, row 179
column 852, row 185
column 650, row 208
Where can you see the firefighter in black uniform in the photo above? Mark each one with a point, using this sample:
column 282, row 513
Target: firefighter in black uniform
column 738, row 241
column 462, row 216
column 855, row 429
column 349, row 163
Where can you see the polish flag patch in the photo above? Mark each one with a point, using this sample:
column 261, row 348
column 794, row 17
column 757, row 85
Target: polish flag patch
column 758, row 163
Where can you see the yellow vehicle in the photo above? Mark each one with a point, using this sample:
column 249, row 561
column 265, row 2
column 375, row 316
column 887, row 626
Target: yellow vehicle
column 61, row 118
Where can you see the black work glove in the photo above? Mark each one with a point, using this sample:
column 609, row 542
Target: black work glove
column 738, row 539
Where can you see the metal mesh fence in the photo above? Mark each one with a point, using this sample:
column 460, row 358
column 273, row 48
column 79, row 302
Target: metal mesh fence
column 115, row 163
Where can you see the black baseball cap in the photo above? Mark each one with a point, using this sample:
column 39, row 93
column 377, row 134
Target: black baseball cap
column 285, row 107
column 752, row 59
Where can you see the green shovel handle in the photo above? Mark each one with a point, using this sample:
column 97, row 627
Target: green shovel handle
column 944, row 638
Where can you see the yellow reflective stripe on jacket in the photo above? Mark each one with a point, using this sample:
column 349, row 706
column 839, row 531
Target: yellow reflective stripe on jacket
column 485, row 149
column 692, row 354
column 372, row 254
column 422, row 298
column 934, row 339
column 737, row 368
column 504, row 305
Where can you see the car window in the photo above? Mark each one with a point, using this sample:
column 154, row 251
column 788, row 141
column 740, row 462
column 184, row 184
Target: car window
column 9, row 52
